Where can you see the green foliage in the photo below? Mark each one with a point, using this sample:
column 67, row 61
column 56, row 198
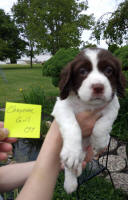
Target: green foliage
column 55, row 64
column 95, row 189
column 11, row 45
column 117, row 28
column 113, row 29
column 22, row 15
column 120, row 128
column 1, row 116
column 113, row 47
column 37, row 96
column 122, row 54
column 88, row 45
column 52, row 25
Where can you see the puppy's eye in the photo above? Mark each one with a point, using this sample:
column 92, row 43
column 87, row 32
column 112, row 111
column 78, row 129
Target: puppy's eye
column 83, row 71
column 108, row 71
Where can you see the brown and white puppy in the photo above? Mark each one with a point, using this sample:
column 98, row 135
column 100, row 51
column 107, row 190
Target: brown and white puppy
column 92, row 80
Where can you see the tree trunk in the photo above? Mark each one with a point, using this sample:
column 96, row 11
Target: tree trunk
column 31, row 56
column 31, row 53
column 13, row 60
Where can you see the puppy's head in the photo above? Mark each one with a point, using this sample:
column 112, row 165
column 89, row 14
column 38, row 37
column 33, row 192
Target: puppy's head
column 94, row 75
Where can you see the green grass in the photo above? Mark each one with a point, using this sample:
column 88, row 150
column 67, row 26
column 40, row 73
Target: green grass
column 13, row 80
column 18, row 66
column 95, row 189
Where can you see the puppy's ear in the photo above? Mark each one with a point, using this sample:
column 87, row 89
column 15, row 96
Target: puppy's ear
column 121, row 81
column 65, row 83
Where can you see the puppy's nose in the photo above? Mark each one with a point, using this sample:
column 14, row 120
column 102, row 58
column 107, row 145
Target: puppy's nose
column 98, row 88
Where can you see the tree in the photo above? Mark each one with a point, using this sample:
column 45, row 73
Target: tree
column 113, row 47
column 54, row 24
column 22, row 15
column 11, row 45
column 115, row 29
column 56, row 63
column 122, row 54
column 88, row 45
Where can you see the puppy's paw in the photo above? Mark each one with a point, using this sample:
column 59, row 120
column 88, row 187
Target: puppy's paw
column 70, row 184
column 72, row 157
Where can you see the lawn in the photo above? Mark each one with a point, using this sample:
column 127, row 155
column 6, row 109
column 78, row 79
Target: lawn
column 18, row 66
column 95, row 189
column 12, row 79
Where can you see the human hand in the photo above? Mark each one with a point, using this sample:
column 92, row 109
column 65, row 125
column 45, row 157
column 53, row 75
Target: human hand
column 5, row 143
column 87, row 120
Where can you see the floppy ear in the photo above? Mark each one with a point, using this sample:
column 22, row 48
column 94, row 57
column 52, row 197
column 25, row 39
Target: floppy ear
column 65, row 83
column 121, row 81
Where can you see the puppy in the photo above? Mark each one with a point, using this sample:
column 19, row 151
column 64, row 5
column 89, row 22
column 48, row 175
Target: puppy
column 91, row 81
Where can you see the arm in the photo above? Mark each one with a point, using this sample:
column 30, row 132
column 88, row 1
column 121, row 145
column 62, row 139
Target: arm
column 14, row 175
column 11, row 176
column 41, row 183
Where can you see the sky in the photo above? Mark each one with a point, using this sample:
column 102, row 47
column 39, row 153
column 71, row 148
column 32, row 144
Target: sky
column 96, row 7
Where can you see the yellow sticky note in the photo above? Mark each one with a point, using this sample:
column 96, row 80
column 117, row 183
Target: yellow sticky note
column 23, row 120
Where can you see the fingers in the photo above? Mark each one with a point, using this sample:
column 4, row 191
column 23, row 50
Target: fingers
column 3, row 156
column 5, row 147
column 3, row 133
column 1, row 124
column 89, row 155
column 95, row 114
column 10, row 140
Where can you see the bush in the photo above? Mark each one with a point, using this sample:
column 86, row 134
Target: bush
column 38, row 96
column 122, row 54
column 55, row 64
column 113, row 47
column 120, row 127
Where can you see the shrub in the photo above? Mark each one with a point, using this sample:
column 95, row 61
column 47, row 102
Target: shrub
column 1, row 116
column 55, row 64
column 120, row 127
column 122, row 54
column 38, row 96
column 113, row 47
